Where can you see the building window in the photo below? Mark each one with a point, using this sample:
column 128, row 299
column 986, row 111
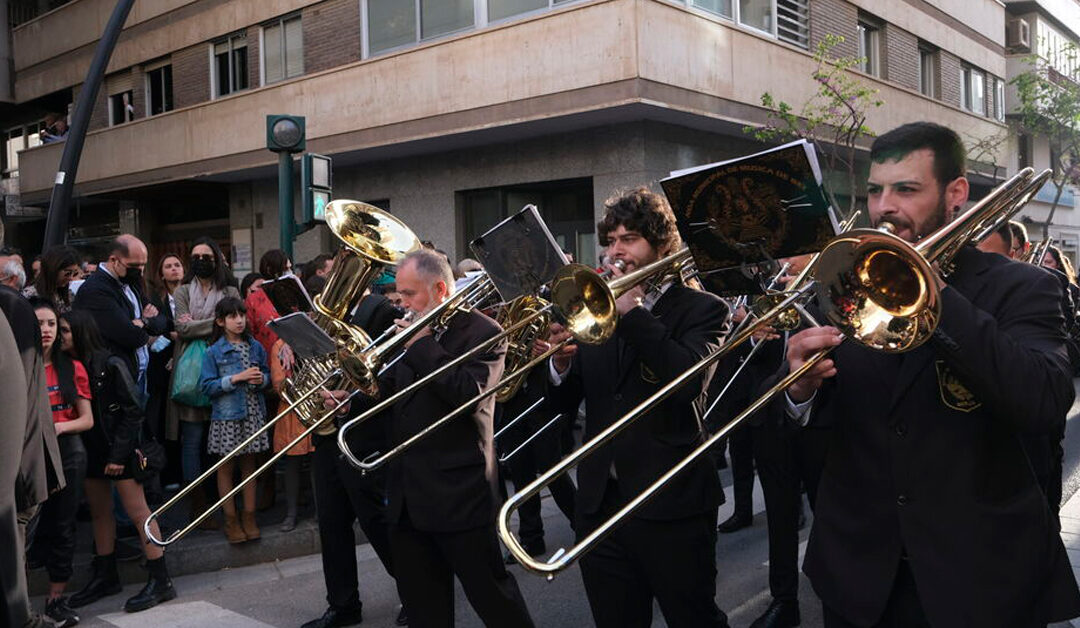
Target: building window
column 394, row 23
column 870, row 47
column 793, row 22
column 972, row 90
column 566, row 206
column 121, row 108
column 502, row 9
column 719, row 7
column 928, row 71
column 757, row 14
column 230, row 65
column 159, row 94
column 441, row 17
column 282, row 49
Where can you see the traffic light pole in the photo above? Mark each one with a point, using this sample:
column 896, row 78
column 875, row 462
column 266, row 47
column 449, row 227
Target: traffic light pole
column 285, row 201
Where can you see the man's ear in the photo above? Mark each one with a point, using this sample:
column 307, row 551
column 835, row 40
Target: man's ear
column 956, row 195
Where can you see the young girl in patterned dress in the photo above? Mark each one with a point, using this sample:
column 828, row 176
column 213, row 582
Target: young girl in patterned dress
column 234, row 374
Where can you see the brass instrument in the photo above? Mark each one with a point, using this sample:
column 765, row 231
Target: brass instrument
column 372, row 239
column 581, row 299
column 876, row 288
column 519, row 345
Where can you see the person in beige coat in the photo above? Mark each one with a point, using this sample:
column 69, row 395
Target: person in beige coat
column 207, row 281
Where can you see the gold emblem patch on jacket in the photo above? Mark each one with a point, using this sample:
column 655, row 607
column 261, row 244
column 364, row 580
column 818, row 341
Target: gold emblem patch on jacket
column 648, row 375
column 953, row 392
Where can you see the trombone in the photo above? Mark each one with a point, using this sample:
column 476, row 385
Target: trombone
column 580, row 298
column 878, row 289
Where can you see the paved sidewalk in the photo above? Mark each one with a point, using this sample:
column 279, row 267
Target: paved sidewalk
column 1070, row 533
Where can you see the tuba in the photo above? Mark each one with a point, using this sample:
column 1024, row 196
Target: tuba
column 373, row 239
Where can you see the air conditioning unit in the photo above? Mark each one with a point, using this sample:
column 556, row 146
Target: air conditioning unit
column 1018, row 35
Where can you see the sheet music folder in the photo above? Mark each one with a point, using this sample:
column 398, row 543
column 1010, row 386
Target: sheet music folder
column 740, row 215
column 519, row 254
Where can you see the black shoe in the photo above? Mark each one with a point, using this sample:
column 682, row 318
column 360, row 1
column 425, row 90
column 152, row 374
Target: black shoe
column 158, row 589
column 333, row 617
column 60, row 613
column 780, row 614
column 533, row 550
column 402, row 617
column 734, row 523
column 104, row 580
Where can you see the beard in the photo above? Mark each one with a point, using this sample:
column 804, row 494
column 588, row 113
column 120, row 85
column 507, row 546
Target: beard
column 933, row 222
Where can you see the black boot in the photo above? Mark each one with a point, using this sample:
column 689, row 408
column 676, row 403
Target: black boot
column 104, row 580
column 158, row 589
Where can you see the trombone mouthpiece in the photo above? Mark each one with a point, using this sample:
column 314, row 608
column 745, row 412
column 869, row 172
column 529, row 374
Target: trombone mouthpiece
column 887, row 226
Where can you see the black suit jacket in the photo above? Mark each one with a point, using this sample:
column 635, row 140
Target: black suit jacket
column 103, row 296
column 656, row 346
column 446, row 482
column 926, row 459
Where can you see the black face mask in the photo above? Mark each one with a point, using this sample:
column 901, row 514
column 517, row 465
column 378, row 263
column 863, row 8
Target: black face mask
column 203, row 269
column 133, row 277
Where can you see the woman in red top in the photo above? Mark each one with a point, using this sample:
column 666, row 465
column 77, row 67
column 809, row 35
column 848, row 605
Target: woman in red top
column 69, row 395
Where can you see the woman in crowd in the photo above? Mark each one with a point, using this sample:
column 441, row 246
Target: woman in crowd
column 167, row 278
column 69, row 396
column 59, row 266
column 1054, row 259
column 234, row 373
column 273, row 264
column 250, row 284
column 206, row 282
column 110, row 453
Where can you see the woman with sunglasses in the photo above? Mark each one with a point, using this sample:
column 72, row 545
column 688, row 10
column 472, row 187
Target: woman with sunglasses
column 207, row 281
column 59, row 266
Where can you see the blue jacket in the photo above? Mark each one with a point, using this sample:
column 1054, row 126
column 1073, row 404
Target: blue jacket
column 220, row 363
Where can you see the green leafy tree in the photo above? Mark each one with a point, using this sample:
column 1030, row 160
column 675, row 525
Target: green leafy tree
column 1048, row 106
column 834, row 118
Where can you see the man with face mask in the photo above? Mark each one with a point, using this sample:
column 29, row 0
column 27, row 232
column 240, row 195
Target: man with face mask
column 113, row 294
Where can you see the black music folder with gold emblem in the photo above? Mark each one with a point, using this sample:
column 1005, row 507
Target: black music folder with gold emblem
column 519, row 254
column 736, row 215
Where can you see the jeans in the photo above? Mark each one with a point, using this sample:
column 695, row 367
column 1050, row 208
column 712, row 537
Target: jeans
column 191, row 445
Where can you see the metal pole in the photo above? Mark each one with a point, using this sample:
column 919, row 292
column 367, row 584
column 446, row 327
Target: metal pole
column 285, row 201
column 56, row 221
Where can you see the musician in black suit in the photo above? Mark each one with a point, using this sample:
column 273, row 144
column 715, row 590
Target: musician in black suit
column 441, row 493
column 344, row 496
column 928, row 512
column 666, row 551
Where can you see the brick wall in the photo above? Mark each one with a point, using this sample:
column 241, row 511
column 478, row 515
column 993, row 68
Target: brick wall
column 191, row 75
column 331, row 34
column 901, row 57
column 950, row 78
column 253, row 56
column 835, row 17
column 138, row 89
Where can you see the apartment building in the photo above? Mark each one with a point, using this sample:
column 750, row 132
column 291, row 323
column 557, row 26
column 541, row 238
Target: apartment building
column 452, row 113
column 1043, row 29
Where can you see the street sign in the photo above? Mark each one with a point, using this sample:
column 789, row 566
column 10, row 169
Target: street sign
column 316, row 177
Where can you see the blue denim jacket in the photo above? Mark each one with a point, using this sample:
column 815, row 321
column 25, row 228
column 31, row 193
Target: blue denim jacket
column 220, row 363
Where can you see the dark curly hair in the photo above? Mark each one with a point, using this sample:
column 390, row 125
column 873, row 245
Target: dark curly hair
column 645, row 212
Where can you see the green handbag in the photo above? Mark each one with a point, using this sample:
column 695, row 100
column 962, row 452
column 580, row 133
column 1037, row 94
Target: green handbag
column 186, row 374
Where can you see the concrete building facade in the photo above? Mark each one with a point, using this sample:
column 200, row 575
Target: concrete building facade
column 455, row 113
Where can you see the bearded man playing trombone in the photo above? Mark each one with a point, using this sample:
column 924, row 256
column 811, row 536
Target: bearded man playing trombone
column 441, row 493
column 667, row 550
column 928, row 512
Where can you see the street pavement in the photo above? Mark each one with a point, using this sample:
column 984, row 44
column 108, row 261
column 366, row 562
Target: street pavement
column 290, row 592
